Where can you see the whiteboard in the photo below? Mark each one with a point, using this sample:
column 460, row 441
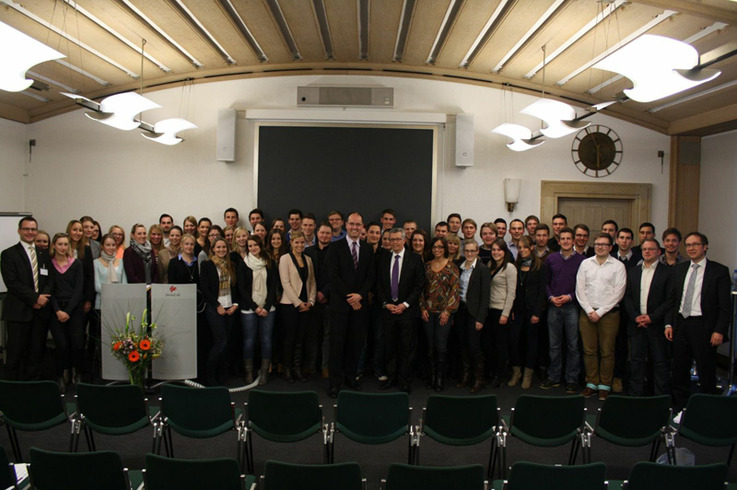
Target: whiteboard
column 9, row 236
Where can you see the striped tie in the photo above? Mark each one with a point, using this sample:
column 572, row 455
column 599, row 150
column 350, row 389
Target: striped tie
column 354, row 253
column 690, row 290
column 34, row 266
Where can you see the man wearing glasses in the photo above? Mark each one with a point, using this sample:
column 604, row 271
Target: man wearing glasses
column 600, row 286
column 702, row 308
column 25, row 270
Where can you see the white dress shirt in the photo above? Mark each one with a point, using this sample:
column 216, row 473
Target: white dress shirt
column 600, row 287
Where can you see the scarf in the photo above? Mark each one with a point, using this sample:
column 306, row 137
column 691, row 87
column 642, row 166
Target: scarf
column 144, row 252
column 526, row 262
column 112, row 275
column 258, row 286
column 223, row 274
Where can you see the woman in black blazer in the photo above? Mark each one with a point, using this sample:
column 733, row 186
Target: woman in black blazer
column 257, row 280
column 471, row 314
column 139, row 259
column 67, row 320
column 219, row 291
column 529, row 306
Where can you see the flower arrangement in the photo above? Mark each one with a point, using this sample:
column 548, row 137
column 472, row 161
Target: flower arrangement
column 136, row 347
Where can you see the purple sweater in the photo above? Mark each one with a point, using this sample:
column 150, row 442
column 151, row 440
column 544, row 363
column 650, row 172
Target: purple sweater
column 562, row 274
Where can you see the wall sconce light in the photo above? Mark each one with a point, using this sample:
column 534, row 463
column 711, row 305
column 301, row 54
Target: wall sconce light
column 511, row 192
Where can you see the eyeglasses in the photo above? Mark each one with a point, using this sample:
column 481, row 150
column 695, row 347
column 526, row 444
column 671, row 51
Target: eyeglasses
column 601, row 245
column 693, row 245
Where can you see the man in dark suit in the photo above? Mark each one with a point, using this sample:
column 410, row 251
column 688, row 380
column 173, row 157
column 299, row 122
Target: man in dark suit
column 701, row 314
column 401, row 279
column 351, row 271
column 629, row 258
column 650, row 282
column 26, row 273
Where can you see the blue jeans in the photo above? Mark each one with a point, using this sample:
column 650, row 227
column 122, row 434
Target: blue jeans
column 564, row 321
column 252, row 325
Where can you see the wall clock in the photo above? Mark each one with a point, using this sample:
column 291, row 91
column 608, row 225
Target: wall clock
column 597, row 150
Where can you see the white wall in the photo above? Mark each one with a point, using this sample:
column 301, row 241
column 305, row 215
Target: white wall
column 13, row 164
column 717, row 201
column 83, row 167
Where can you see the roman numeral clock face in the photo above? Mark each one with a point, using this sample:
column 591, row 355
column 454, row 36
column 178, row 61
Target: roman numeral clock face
column 597, row 150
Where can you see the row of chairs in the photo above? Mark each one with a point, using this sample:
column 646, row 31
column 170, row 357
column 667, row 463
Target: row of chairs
column 104, row 469
column 366, row 418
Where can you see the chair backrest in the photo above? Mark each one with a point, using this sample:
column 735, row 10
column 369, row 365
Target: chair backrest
column 632, row 420
column 372, row 418
column 460, row 420
column 189, row 474
column 534, row 476
column 31, row 405
column 710, row 419
column 648, row 476
column 284, row 416
column 77, row 471
column 410, row 477
column 114, row 409
column 288, row 476
column 547, row 420
column 197, row 412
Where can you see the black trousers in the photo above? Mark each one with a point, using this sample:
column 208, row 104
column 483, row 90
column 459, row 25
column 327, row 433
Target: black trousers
column 400, row 340
column 25, row 348
column 347, row 337
column 692, row 341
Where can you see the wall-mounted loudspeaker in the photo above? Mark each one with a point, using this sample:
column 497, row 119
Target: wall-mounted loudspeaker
column 464, row 140
column 225, row 149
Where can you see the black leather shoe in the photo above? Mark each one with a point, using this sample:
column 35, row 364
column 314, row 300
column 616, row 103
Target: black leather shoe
column 333, row 392
column 352, row 384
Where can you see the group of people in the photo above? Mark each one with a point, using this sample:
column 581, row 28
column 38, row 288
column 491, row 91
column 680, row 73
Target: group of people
column 345, row 297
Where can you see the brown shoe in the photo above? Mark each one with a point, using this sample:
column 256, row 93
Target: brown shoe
column 617, row 385
column 603, row 394
column 588, row 392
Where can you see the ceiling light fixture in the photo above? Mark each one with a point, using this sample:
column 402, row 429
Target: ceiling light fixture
column 364, row 14
column 559, row 117
column 693, row 96
column 20, row 53
column 539, row 24
column 283, row 26
column 324, row 27
column 137, row 13
column 521, row 136
column 199, row 27
column 79, row 70
column 496, row 19
column 408, row 8
column 663, row 16
column 658, row 67
column 243, row 29
column 38, row 76
column 165, row 131
column 118, row 111
column 69, row 37
column 451, row 14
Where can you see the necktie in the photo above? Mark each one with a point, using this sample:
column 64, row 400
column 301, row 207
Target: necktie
column 395, row 279
column 34, row 266
column 354, row 252
column 690, row 287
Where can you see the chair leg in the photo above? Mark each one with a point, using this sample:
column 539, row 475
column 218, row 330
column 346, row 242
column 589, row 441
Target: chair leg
column 502, row 444
column 654, row 450
column 670, row 447
column 90, row 439
column 492, row 459
column 729, row 458
column 574, row 452
column 13, row 436
column 74, row 439
column 249, row 452
column 156, row 439
column 168, row 443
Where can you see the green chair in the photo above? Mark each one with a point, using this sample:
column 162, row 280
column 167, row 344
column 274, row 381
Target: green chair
column 8, row 478
column 288, row 476
column 653, row 476
column 413, row 477
column 31, row 406
column 534, row 476
column 460, row 421
column 372, row 418
column 631, row 421
column 198, row 413
column 710, row 420
column 112, row 410
column 51, row 470
column 545, row 421
column 284, row 417
column 194, row 474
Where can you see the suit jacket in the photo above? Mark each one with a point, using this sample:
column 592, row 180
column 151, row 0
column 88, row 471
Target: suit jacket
column 716, row 303
column 210, row 284
column 292, row 282
column 135, row 269
column 18, row 276
column 411, row 281
column 344, row 278
column 659, row 301
column 534, row 292
column 479, row 290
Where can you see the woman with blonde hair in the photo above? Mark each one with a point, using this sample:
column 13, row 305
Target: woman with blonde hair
column 166, row 255
column 219, row 291
column 189, row 225
column 79, row 249
column 139, row 259
column 239, row 244
column 156, row 237
column 67, row 322
column 119, row 234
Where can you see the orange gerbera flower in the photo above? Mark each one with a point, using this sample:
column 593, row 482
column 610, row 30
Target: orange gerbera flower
column 134, row 356
column 117, row 345
column 145, row 344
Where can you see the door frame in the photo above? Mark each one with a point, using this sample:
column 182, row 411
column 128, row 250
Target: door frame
column 553, row 190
